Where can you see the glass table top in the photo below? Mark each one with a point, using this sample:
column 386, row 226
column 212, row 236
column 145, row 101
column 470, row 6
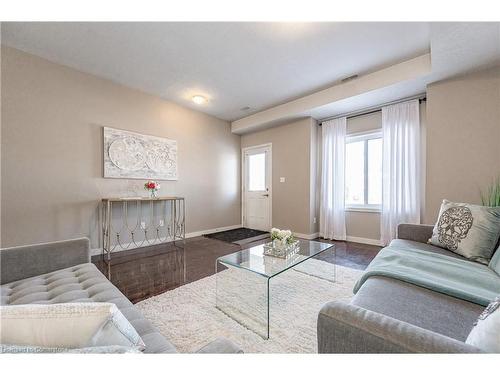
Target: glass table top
column 254, row 260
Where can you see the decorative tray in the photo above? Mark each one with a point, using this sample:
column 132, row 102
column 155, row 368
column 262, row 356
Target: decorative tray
column 283, row 252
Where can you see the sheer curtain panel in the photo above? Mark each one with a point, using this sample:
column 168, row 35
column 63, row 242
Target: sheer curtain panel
column 332, row 204
column 401, row 167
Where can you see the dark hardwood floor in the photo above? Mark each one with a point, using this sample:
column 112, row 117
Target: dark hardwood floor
column 145, row 272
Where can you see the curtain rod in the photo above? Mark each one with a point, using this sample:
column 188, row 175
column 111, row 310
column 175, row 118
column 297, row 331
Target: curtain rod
column 374, row 109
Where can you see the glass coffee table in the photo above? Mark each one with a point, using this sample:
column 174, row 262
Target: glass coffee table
column 243, row 279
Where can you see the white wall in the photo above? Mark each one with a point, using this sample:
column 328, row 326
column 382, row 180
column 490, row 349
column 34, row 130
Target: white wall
column 463, row 138
column 51, row 151
column 294, row 149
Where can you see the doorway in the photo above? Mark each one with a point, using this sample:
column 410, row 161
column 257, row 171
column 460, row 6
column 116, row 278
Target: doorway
column 257, row 187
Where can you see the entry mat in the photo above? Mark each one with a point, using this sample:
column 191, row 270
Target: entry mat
column 237, row 235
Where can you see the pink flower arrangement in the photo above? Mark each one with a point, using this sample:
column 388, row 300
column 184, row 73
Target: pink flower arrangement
column 152, row 187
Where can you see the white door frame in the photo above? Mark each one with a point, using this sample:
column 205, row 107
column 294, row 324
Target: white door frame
column 243, row 178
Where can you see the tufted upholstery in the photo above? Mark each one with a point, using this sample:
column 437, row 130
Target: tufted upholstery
column 65, row 275
column 82, row 283
column 21, row 262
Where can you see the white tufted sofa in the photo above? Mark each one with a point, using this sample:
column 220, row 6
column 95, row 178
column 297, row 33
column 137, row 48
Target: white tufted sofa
column 61, row 272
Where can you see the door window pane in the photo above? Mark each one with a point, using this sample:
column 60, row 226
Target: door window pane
column 257, row 172
column 355, row 173
column 375, row 171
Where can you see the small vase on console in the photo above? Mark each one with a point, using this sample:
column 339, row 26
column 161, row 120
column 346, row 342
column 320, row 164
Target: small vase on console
column 153, row 188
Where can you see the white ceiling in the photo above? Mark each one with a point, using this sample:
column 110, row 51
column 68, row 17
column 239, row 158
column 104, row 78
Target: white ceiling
column 235, row 65
column 456, row 48
column 259, row 65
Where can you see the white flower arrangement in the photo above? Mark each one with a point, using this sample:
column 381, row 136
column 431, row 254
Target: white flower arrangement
column 283, row 244
column 282, row 237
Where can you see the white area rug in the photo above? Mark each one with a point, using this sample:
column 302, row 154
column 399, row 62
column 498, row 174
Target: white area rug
column 187, row 316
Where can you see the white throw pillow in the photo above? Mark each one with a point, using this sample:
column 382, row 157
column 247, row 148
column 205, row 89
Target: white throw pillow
column 486, row 332
column 68, row 325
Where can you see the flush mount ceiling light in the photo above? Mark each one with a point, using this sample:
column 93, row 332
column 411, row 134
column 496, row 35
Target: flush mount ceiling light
column 199, row 99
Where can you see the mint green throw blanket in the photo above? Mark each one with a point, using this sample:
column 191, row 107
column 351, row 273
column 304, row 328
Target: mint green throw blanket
column 459, row 278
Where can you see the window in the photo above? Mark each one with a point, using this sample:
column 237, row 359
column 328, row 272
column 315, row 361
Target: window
column 257, row 172
column 363, row 171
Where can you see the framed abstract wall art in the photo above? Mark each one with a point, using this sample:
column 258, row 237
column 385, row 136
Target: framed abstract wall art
column 133, row 155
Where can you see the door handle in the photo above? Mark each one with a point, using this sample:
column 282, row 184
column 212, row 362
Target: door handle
column 265, row 195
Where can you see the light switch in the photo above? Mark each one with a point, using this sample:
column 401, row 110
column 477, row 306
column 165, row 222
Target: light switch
column 282, row 179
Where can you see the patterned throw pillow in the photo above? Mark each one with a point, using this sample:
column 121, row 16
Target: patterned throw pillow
column 486, row 332
column 467, row 229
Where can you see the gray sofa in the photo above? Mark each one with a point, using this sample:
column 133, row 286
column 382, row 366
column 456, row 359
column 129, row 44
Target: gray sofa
column 61, row 272
column 391, row 316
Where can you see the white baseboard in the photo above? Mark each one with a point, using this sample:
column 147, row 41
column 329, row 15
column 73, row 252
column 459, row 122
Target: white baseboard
column 98, row 250
column 311, row 236
column 368, row 241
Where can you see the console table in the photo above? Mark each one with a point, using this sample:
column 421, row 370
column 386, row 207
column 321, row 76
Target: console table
column 129, row 223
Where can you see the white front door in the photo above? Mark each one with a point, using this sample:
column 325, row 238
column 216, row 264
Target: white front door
column 257, row 190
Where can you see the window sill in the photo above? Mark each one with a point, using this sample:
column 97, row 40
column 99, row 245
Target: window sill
column 364, row 209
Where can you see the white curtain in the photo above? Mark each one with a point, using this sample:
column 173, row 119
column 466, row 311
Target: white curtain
column 332, row 204
column 401, row 167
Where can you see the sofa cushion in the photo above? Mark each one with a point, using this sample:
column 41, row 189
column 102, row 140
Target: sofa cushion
column 82, row 283
column 467, row 229
column 411, row 245
column 419, row 306
column 459, row 278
